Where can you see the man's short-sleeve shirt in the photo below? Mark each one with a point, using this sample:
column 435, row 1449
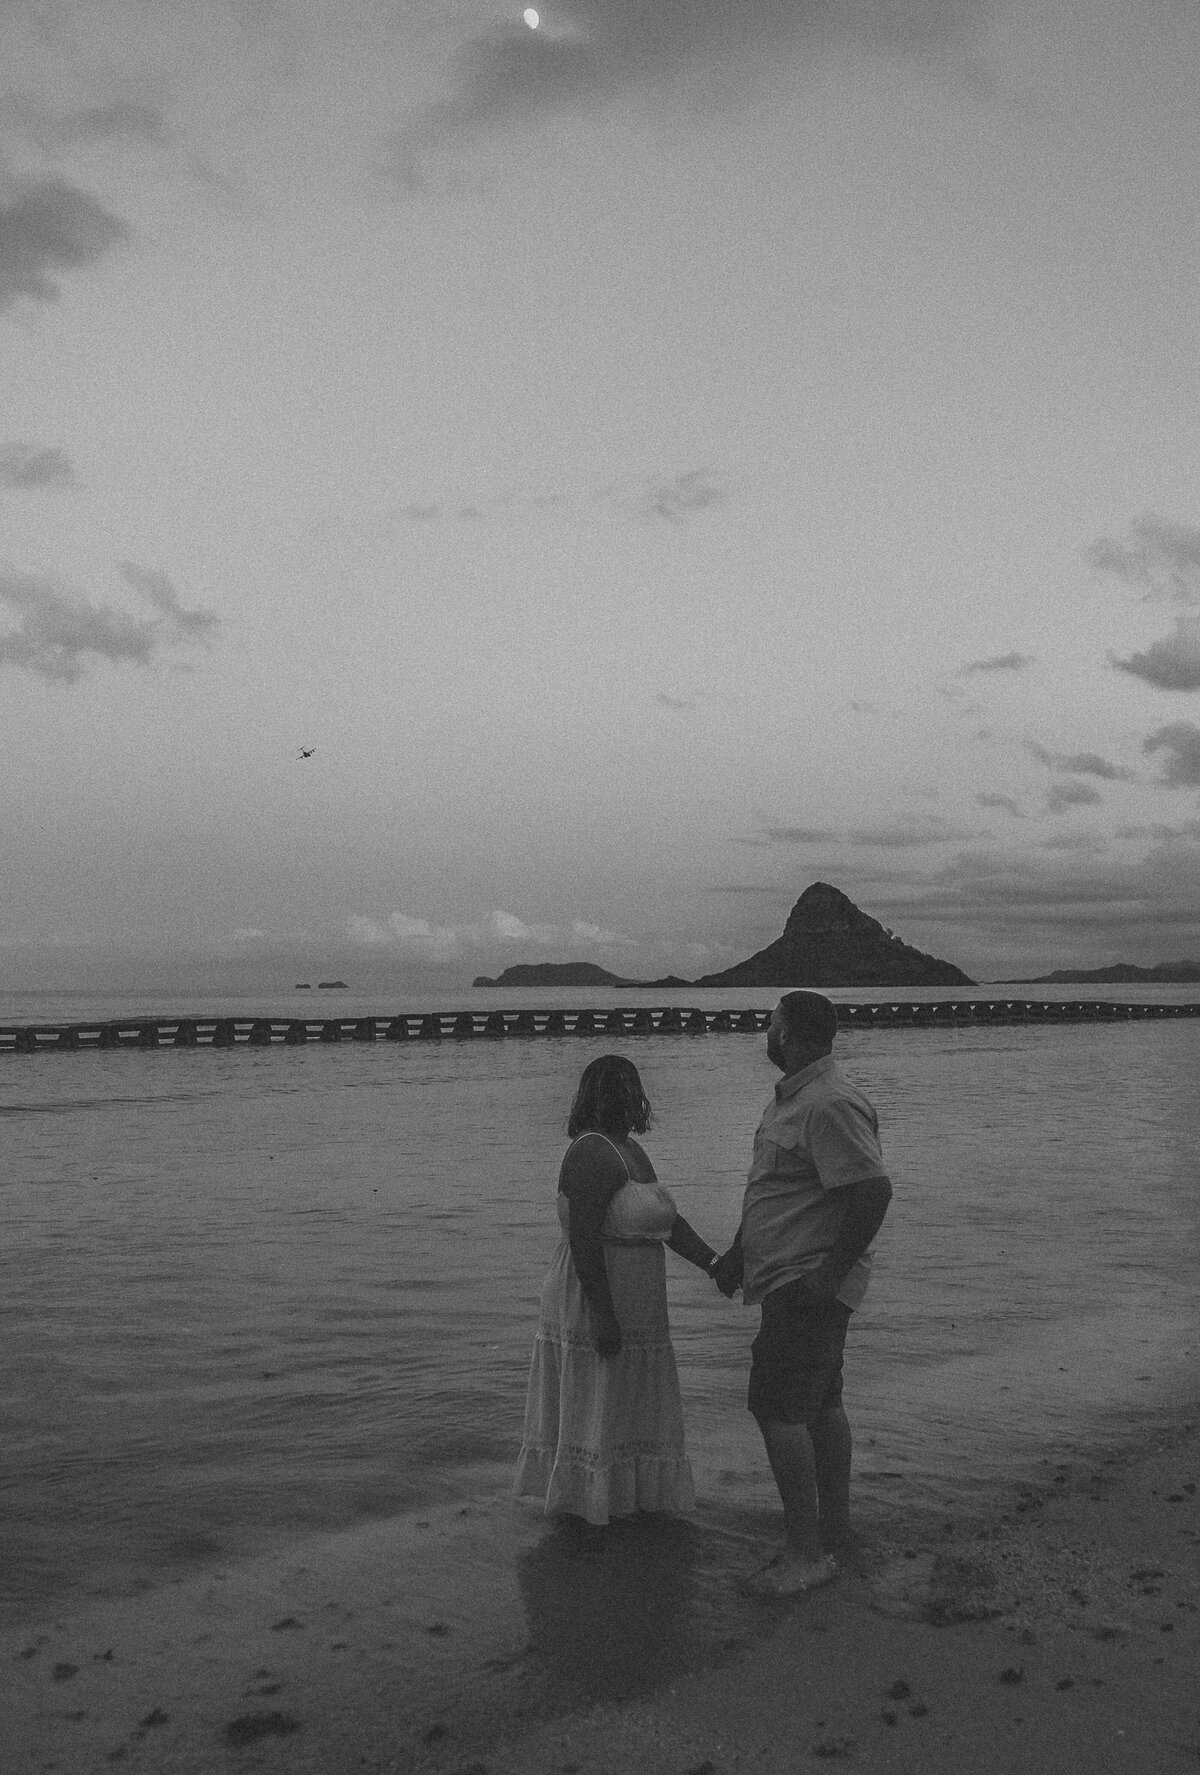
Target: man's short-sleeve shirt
column 818, row 1135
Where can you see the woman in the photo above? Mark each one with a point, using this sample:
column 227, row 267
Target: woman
column 603, row 1418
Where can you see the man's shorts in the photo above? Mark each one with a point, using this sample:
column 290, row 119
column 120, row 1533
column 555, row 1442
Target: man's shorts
column 796, row 1359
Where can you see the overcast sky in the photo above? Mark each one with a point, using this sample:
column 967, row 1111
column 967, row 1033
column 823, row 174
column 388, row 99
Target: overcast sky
column 654, row 460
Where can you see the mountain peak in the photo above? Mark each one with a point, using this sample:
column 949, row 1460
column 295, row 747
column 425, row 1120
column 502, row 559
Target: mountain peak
column 823, row 907
column 829, row 941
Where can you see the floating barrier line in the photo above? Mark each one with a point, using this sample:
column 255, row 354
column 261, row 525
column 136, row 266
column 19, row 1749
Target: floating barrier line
column 418, row 1026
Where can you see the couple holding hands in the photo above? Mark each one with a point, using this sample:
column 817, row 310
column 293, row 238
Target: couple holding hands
column 603, row 1418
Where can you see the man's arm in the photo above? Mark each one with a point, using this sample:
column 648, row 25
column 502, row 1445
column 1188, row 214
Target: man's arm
column 866, row 1203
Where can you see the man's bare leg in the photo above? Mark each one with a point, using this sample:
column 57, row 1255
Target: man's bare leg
column 803, row 1565
column 833, row 1447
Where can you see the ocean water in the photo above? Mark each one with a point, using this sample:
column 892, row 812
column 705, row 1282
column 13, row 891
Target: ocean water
column 250, row 1295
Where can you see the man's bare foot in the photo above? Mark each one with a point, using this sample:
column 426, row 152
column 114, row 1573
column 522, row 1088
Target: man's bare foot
column 789, row 1573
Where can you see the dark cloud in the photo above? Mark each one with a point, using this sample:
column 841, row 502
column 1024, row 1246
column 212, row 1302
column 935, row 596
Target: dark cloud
column 1161, row 557
column 895, row 837
column 676, row 497
column 1162, row 560
column 1060, row 796
column 1085, row 764
column 158, row 591
column 24, row 467
column 592, row 52
column 1170, row 664
column 47, row 228
column 104, row 123
column 798, row 835
column 122, row 120
column 1180, row 740
column 58, row 632
column 1132, row 903
column 1000, row 662
column 750, row 889
column 902, row 837
column 1162, row 831
column 1004, row 802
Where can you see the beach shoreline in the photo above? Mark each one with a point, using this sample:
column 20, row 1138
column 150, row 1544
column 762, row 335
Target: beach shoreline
column 474, row 1636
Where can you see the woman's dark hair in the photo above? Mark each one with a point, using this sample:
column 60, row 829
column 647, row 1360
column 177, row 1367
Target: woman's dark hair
column 610, row 1097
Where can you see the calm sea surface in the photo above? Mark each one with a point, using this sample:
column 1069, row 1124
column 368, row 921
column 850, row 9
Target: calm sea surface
column 248, row 1295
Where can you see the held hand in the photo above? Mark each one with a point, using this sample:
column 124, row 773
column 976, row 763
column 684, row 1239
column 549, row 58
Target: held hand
column 727, row 1272
column 608, row 1342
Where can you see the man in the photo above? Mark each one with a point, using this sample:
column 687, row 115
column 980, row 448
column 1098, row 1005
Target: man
column 815, row 1198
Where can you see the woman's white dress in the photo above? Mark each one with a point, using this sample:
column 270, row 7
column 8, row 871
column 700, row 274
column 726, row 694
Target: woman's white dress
column 604, row 1435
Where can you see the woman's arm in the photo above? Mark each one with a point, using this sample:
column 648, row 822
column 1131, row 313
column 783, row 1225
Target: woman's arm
column 727, row 1272
column 592, row 1174
column 688, row 1243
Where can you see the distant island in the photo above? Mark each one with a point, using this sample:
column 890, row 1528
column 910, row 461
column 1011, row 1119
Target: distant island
column 827, row 941
column 332, row 986
column 1121, row 973
column 567, row 973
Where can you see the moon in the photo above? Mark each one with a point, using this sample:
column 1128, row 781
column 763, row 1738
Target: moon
column 531, row 18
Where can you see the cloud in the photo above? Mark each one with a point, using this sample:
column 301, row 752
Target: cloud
column 157, row 589
column 1161, row 831
column 1170, row 664
column 676, row 497
column 895, row 837
column 1060, row 796
column 584, row 935
column 1133, row 904
column 415, row 937
column 123, row 119
column 901, row 837
column 24, row 467
column 1163, row 560
column 422, row 940
column 58, row 632
column 798, row 835
column 1000, row 662
column 674, row 702
column 1181, row 742
column 47, row 228
column 1161, row 557
column 1004, row 802
column 433, row 512
column 593, row 52
column 1073, row 841
column 1087, row 764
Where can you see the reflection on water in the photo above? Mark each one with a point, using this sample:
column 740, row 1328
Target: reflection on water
column 247, row 1295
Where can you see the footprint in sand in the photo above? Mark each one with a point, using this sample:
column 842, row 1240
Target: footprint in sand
column 248, row 1728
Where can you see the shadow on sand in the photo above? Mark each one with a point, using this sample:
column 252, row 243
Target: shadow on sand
column 618, row 1612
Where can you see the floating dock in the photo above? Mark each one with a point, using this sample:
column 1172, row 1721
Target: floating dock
column 623, row 1020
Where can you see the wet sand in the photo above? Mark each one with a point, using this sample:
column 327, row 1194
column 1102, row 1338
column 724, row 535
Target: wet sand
column 1064, row 1635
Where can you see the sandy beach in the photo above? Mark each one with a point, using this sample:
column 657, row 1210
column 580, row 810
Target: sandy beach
column 1063, row 1636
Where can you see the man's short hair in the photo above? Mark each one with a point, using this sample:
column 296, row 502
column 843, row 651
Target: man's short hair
column 810, row 1015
